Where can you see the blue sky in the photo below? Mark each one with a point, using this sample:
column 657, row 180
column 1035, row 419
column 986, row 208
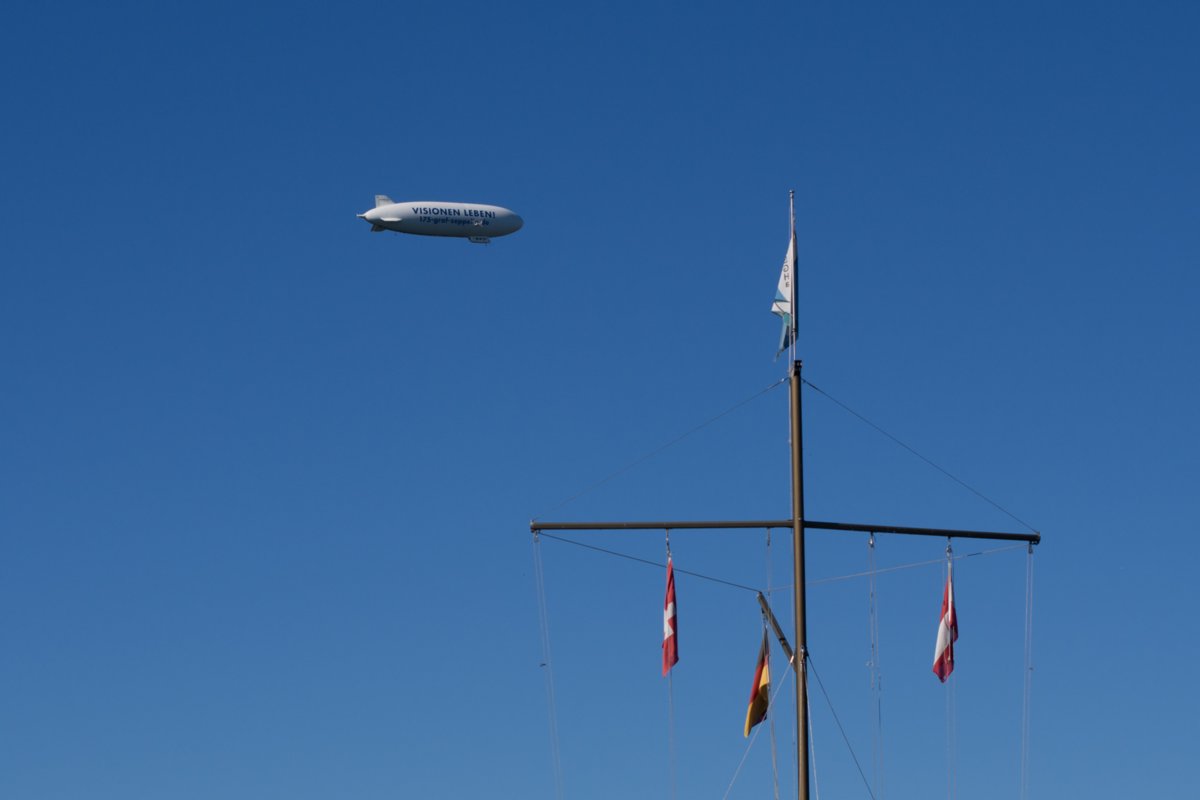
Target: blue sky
column 267, row 478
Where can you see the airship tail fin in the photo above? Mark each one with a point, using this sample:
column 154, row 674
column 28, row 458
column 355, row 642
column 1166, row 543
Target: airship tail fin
column 377, row 228
column 383, row 200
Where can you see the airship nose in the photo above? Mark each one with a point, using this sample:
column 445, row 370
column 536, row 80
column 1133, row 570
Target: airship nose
column 518, row 223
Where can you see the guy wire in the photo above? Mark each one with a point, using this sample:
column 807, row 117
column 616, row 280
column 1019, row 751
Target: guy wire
column 544, row 625
column 928, row 461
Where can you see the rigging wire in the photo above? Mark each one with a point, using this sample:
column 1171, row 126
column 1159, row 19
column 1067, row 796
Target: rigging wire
column 673, row 786
column 648, row 562
column 912, row 565
column 845, row 738
column 812, row 740
column 876, row 671
column 951, row 736
column 754, row 736
column 794, row 750
column 951, row 705
column 928, row 461
column 661, row 448
column 1026, row 709
column 547, row 667
column 771, row 721
column 788, row 586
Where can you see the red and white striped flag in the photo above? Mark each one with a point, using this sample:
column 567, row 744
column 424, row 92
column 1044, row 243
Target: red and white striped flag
column 670, row 646
column 943, row 655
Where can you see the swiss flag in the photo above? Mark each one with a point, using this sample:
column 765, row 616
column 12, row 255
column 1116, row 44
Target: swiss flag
column 670, row 646
column 943, row 655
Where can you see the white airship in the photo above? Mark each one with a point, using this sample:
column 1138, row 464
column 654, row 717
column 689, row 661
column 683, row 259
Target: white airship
column 472, row 221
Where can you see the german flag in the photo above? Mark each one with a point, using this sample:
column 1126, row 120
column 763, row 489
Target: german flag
column 760, row 695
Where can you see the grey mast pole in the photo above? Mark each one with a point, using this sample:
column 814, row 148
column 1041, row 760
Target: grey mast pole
column 800, row 661
column 798, row 591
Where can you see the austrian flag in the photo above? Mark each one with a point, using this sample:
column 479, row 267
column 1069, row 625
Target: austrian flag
column 943, row 655
column 670, row 645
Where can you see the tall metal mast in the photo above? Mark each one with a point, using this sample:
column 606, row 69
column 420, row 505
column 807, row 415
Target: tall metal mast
column 798, row 524
column 800, row 659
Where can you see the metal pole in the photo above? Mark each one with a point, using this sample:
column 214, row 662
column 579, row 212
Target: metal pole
column 798, row 589
column 783, row 642
column 809, row 525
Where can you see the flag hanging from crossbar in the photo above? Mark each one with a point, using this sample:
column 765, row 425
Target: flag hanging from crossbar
column 943, row 654
column 670, row 645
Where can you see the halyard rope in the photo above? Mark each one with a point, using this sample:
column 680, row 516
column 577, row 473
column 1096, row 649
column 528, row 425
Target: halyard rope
column 546, row 664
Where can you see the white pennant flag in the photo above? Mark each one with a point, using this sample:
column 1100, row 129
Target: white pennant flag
column 785, row 294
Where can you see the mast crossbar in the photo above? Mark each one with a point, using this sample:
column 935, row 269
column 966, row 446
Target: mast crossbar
column 809, row 524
